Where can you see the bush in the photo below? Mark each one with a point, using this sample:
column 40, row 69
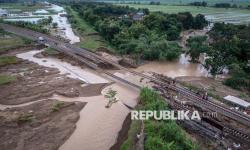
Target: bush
column 28, row 25
column 51, row 51
column 238, row 82
column 27, row 41
column 5, row 79
column 57, row 106
column 25, row 118
column 6, row 60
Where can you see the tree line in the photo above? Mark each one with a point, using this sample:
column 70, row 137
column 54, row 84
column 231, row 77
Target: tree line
column 151, row 38
column 204, row 4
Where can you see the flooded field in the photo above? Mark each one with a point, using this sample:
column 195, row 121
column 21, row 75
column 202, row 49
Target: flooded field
column 181, row 67
column 59, row 16
column 227, row 15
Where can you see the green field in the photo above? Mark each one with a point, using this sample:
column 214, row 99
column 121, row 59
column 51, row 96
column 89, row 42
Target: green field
column 22, row 7
column 5, row 79
column 193, row 9
column 7, row 60
column 89, row 37
column 10, row 42
column 182, row 2
column 230, row 15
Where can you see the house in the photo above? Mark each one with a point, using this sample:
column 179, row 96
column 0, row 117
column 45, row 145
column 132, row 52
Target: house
column 3, row 13
column 138, row 16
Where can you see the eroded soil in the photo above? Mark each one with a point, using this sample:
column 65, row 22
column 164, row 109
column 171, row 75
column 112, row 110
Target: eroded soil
column 39, row 126
column 37, row 82
column 213, row 86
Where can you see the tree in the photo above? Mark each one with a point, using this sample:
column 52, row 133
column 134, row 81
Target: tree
column 200, row 22
column 54, row 24
column 187, row 19
column 50, row 19
column 197, row 45
column 108, row 28
column 110, row 95
column 137, row 29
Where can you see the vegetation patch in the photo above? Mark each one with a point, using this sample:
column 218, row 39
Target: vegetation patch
column 7, row 60
column 90, row 38
column 9, row 41
column 36, row 27
column 130, row 143
column 6, row 79
column 57, row 106
column 138, row 32
column 165, row 134
column 51, row 51
column 25, row 117
column 228, row 50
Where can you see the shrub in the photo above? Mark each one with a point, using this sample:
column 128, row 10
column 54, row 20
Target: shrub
column 6, row 60
column 25, row 118
column 57, row 106
column 5, row 79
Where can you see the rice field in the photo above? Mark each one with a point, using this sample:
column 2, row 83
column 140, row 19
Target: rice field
column 179, row 2
column 230, row 15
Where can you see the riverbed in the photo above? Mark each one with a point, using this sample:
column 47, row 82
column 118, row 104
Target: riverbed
column 98, row 126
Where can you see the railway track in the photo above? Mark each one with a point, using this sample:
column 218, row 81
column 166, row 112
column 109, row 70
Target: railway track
column 227, row 130
column 84, row 55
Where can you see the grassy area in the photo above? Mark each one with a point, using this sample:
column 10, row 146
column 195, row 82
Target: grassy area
column 51, row 51
column 181, row 2
column 10, row 41
column 22, row 7
column 135, row 128
column 89, row 37
column 161, row 134
column 193, row 9
column 5, row 79
column 7, row 60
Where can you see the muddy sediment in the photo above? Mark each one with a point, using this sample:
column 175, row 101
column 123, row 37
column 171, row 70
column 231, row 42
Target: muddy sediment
column 216, row 87
column 36, row 82
column 21, row 49
column 42, row 125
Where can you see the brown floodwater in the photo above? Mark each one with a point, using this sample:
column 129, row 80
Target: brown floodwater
column 180, row 67
column 98, row 127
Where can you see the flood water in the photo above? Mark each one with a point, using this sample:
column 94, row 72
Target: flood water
column 180, row 67
column 98, row 127
column 64, row 27
column 65, row 68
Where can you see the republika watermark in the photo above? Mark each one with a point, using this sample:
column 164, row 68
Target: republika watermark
column 169, row 115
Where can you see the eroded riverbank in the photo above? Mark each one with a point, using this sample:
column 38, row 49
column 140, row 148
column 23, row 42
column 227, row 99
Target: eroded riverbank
column 98, row 127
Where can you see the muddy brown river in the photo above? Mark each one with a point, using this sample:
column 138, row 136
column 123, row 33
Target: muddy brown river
column 180, row 67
